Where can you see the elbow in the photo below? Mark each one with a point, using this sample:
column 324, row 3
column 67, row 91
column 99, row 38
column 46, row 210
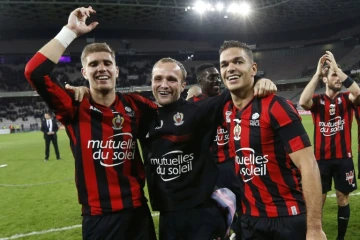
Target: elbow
column 28, row 71
column 304, row 105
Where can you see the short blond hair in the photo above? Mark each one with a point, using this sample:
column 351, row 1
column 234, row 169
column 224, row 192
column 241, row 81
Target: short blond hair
column 94, row 48
column 171, row 60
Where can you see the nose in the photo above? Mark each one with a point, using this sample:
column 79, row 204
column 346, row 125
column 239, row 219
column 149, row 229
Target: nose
column 231, row 68
column 164, row 84
column 217, row 79
column 101, row 67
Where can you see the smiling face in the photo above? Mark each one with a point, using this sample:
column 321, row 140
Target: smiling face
column 167, row 82
column 210, row 82
column 100, row 70
column 237, row 69
column 332, row 81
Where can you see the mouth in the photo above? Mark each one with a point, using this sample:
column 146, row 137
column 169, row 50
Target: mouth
column 216, row 86
column 233, row 78
column 164, row 93
column 102, row 78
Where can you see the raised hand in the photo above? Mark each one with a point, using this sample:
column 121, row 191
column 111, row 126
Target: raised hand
column 320, row 67
column 330, row 59
column 77, row 20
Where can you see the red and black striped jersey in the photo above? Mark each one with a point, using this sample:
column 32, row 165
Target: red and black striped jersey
column 109, row 171
column 262, row 135
column 357, row 117
column 332, row 120
column 219, row 147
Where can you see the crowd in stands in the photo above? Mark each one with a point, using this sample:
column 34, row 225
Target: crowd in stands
column 21, row 108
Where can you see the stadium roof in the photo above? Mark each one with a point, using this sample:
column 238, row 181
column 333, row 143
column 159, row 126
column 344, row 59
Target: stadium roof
column 170, row 15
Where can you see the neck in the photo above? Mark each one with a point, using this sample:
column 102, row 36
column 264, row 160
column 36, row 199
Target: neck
column 103, row 98
column 331, row 93
column 242, row 97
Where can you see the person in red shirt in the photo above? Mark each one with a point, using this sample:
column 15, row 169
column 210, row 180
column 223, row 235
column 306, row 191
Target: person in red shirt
column 103, row 131
column 280, row 180
column 332, row 114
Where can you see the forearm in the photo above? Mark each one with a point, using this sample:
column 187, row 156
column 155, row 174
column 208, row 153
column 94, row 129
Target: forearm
column 306, row 96
column 312, row 192
column 353, row 88
column 53, row 50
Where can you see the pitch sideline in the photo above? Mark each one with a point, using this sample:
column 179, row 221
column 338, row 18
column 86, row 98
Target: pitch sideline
column 16, row 236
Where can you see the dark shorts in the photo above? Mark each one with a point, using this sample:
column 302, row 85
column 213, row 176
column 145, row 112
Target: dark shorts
column 279, row 228
column 134, row 224
column 343, row 172
column 205, row 222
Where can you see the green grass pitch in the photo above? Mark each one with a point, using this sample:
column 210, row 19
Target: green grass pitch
column 36, row 197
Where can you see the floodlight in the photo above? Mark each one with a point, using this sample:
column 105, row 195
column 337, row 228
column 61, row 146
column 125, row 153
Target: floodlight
column 219, row 6
column 200, row 6
column 245, row 9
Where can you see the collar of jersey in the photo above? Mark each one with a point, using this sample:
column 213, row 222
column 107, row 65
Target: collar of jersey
column 174, row 105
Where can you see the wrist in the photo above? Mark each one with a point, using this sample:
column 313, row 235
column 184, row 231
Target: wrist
column 65, row 36
column 347, row 82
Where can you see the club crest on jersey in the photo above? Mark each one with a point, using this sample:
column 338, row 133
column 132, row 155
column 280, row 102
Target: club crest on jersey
column 332, row 109
column 117, row 122
column 322, row 102
column 178, row 118
column 350, row 177
column 237, row 130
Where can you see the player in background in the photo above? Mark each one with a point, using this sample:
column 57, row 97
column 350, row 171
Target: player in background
column 280, row 180
column 209, row 80
column 332, row 114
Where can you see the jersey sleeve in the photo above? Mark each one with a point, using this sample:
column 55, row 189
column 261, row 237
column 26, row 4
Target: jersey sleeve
column 316, row 100
column 37, row 73
column 146, row 110
column 286, row 122
column 211, row 109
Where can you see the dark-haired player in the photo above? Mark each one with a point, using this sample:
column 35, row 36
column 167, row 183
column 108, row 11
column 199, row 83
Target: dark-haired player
column 209, row 80
column 332, row 114
column 280, row 180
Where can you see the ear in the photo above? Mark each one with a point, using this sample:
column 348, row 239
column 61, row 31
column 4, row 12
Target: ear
column 254, row 69
column 325, row 80
column 117, row 71
column 83, row 73
column 183, row 84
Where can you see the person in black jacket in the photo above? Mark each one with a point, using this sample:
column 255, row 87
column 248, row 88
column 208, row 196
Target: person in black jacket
column 50, row 127
column 180, row 172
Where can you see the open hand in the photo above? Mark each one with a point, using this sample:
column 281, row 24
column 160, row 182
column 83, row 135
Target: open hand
column 77, row 19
